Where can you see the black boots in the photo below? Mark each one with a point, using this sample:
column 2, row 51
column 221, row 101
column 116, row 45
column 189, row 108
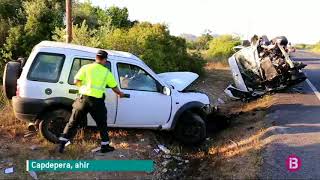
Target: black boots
column 106, row 148
column 62, row 143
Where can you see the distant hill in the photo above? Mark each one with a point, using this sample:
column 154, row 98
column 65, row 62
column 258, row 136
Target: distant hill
column 189, row 37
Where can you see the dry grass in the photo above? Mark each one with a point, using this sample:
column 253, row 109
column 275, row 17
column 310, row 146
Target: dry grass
column 15, row 149
column 241, row 144
column 8, row 123
column 235, row 151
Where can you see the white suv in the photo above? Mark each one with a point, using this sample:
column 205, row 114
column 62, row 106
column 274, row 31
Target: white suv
column 42, row 92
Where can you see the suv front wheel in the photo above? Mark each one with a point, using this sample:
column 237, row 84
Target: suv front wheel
column 191, row 129
column 52, row 124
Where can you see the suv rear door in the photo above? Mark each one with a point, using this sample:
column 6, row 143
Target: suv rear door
column 43, row 76
column 70, row 90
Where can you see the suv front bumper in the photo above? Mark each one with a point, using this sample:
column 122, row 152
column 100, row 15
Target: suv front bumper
column 27, row 109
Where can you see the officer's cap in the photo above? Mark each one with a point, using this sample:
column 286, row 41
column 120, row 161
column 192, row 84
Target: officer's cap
column 102, row 54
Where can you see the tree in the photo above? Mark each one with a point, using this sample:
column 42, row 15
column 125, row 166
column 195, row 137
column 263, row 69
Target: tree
column 10, row 15
column 154, row 44
column 81, row 34
column 23, row 24
column 10, row 9
column 40, row 17
column 119, row 17
column 11, row 48
column 202, row 42
column 85, row 12
column 221, row 47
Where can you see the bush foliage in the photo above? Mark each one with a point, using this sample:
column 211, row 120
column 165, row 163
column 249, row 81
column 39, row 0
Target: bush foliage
column 316, row 47
column 23, row 24
column 26, row 23
column 221, row 48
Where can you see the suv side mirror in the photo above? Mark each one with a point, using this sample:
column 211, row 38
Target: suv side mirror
column 166, row 91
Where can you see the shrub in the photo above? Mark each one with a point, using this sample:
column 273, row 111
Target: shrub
column 316, row 47
column 151, row 42
column 81, row 35
column 154, row 44
column 221, row 48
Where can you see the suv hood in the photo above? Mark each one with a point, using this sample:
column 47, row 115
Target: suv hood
column 180, row 80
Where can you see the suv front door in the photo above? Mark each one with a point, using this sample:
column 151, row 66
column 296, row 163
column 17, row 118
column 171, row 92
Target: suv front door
column 147, row 106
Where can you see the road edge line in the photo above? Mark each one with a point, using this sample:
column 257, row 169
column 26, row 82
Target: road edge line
column 313, row 88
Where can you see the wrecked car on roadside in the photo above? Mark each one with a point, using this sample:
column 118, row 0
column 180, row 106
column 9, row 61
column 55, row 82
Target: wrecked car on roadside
column 263, row 67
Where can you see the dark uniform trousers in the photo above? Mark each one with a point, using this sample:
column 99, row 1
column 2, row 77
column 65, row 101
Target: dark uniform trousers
column 81, row 107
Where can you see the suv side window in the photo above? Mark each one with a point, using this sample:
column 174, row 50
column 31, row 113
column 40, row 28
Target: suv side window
column 132, row 77
column 46, row 67
column 77, row 64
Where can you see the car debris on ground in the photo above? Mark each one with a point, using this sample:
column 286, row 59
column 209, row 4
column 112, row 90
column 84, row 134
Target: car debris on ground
column 33, row 175
column 30, row 134
column 8, row 170
column 164, row 149
column 165, row 163
column 156, row 150
column 96, row 149
column 166, row 156
column 34, row 147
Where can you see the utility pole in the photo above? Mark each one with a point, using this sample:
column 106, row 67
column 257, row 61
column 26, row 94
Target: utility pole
column 69, row 20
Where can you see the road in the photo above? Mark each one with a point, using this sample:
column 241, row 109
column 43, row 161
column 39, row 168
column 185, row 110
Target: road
column 296, row 130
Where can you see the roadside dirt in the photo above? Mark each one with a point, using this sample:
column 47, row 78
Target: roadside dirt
column 232, row 149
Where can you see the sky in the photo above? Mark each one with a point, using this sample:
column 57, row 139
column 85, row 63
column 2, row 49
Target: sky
column 298, row 20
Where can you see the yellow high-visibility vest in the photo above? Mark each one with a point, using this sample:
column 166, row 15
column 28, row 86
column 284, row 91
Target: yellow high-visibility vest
column 94, row 79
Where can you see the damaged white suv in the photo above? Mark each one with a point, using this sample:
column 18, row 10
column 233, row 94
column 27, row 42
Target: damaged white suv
column 42, row 92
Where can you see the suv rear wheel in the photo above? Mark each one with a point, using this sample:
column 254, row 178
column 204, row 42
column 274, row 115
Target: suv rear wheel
column 191, row 128
column 52, row 124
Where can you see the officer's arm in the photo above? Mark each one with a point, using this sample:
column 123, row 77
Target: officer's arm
column 111, row 82
column 117, row 91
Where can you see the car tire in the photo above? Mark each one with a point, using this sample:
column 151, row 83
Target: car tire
column 11, row 74
column 191, row 129
column 52, row 124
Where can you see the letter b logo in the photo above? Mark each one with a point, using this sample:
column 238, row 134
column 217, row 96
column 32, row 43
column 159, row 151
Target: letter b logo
column 293, row 163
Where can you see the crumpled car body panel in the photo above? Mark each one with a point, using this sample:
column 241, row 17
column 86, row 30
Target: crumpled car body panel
column 255, row 74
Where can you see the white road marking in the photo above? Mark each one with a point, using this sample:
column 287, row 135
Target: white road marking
column 314, row 89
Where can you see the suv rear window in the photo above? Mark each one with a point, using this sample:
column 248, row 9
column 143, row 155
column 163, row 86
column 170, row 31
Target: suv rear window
column 46, row 67
column 77, row 64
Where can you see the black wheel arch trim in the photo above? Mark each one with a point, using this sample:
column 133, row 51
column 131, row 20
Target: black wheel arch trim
column 185, row 107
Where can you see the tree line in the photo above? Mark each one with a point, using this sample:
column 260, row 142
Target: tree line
column 25, row 23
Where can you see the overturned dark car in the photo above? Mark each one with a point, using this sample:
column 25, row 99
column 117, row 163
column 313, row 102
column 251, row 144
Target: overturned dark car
column 262, row 67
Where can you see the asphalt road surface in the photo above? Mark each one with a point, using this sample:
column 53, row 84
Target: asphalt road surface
column 296, row 130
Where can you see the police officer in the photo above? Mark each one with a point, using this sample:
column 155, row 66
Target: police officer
column 92, row 80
